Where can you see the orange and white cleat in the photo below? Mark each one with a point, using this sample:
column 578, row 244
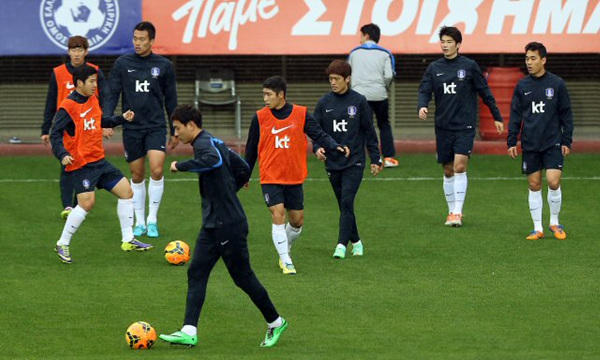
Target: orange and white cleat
column 558, row 231
column 535, row 235
column 449, row 219
column 456, row 220
column 390, row 162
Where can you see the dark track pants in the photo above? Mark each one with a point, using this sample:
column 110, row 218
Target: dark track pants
column 228, row 242
column 67, row 190
column 381, row 110
column 345, row 184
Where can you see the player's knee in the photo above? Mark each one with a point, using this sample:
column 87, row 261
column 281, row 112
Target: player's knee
column 553, row 184
column 86, row 204
column 156, row 173
column 535, row 186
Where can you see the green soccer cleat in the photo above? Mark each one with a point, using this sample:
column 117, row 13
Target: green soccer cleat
column 136, row 245
column 180, row 338
column 273, row 335
column 357, row 249
column 340, row 252
column 63, row 253
column 289, row 269
column 65, row 213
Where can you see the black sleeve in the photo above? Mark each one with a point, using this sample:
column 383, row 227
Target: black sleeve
column 485, row 93
column 62, row 120
column 252, row 143
column 114, row 89
column 565, row 115
column 170, row 92
column 318, row 115
column 425, row 90
column 514, row 124
column 317, row 135
column 112, row 121
column 206, row 158
column 102, row 88
column 366, row 123
column 240, row 169
column 50, row 109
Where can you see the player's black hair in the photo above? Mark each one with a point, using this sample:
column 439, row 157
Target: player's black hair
column 277, row 84
column 339, row 67
column 78, row 41
column 372, row 30
column 146, row 26
column 185, row 113
column 82, row 73
column 451, row 31
column 536, row 46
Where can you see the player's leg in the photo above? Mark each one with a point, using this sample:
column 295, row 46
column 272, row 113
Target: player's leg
column 531, row 165
column 553, row 163
column 445, row 157
column 335, row 179
column 206, row 254
column 351, row 180
column 462, row 148
column 381, row 110
column 274, row 199
column 237, row 259
column 66, row 193
column 293, row 228
column 293, row 202
column 135, row 154
column 76, row 217
column 156, row 147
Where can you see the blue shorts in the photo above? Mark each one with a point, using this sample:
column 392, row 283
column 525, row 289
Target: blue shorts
column 551, row 158
column 100, row 174
column 137, row 143
column 291, row 196
column 450, row 143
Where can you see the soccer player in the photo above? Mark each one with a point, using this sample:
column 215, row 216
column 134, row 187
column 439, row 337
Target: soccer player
column 76, row 138
column 541, row 112
column 373, row 69
column 277, row 138
column 224, row 232
column 455, row 80
column 345, row 115
column 60, row 86
column 147, row 82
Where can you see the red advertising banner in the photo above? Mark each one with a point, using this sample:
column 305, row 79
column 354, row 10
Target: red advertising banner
column 221, row 27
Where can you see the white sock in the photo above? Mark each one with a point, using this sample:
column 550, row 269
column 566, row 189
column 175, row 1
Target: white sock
column 125, row 214
column 155, row 193
column 74, row 220
column 555, row 202
column 535, row 208
column 280, row 241
column 449, row 192
column 277, row 323
column 189, row 330
column 292, row 234
column 139, row 202
column 460, row 191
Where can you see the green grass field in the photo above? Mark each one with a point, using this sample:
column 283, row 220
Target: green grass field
column 422, row 290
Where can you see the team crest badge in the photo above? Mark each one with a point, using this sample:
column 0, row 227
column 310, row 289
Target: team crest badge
column 86, row 184
column 97, row 20
column 267, row 198
column 549, row 93
column 352, row 111
column 461, row 74
column 155, row 72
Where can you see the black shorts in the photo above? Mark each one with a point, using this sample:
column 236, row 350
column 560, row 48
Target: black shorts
column 551, row 158
column 291, row 196
column 138, row 142
column 100, row 174
column 450, row 143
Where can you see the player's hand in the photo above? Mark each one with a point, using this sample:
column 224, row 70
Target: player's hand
column 174, row 167
column 565, row 150
column 67, row 160
column 423, row 113
column 346, row 151
column 499, row 126
column 246, row 185
column 173, row 142
column 512, row 152
column 129, row 115
column 108, row 133
column 321, row 154
column 45, row 139
column 376, row 169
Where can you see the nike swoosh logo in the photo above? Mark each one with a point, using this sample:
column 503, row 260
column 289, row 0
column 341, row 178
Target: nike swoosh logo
column 83, row 114
column 130, row 70
column 282, row 242
column 439, row 74
column 328, row 110
column 70, row 86
column 277, row 131
column 224, row 242
column 528, row 92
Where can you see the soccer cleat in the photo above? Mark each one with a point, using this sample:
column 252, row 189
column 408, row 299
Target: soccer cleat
column 152, row 231
column 535, row 235
column 357, row 249
column 558, row 231
column 280, row 264
column 340, row 252
column 136, row 245
column 390, row 162
column 139, row 230
column 456, row 220
column 63, row 253
column 180, row 338
column 273, row 334
column 289, row 269
column 65, row 213
column 449, row 219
